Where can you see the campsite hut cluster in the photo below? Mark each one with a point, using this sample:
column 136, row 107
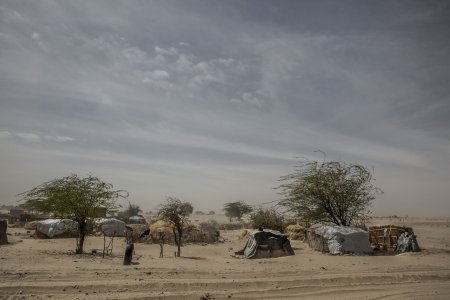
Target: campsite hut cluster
column 134, row 229
column 260, row 243
column 335, row 240
column 387, row 239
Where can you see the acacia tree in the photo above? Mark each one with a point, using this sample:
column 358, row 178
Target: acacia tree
column 236, row 209
column 267, row 218
column 329, row 192
column 74, row 198
column 176, row 212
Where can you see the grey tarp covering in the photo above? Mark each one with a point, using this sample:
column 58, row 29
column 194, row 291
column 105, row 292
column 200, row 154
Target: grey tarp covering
column 110, row 226
column 407, row 243
column 137, row 220
column 342, row 239
column 55, row 227
column 266, row 243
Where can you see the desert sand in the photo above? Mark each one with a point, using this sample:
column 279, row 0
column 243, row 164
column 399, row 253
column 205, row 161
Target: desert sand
column 47, row 269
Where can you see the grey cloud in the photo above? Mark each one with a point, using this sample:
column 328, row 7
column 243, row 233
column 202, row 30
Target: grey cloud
column 242, row 86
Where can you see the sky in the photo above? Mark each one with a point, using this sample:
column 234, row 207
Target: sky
column 212, row 101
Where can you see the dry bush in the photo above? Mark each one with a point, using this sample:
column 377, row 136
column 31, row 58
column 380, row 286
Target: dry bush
column 161, row 226
column 192, row 233
column 295, row 232
column 209, row 226
column 231, row 225
column 138, row 231
column 31, row 225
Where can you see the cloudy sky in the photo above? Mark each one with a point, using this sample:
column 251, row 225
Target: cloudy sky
column 212, row 101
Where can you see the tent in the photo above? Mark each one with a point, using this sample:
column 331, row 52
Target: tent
column 110, row 227
column 339, row 240
column 266, row 243
column 53, row 228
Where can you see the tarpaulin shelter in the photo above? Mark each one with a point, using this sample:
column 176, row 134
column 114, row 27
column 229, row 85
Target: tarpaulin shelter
column 339, row 240
column 57, row 228
column 266, row 243
column 110, row 227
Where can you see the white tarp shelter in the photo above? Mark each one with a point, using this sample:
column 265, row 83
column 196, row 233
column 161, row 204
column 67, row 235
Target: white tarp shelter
column 57, row 227
column 110, row 226
column 342, row 240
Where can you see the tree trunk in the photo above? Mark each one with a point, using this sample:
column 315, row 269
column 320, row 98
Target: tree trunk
column 3, row 236
column 82, row 236
column 176, row 241
column 179, row 242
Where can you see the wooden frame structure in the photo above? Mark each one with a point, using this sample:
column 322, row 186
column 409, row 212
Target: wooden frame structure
column 385, row 237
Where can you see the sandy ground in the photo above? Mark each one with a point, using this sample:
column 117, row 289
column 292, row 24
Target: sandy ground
column 46, row 269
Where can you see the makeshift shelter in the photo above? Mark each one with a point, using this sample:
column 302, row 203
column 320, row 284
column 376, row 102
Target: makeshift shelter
column 110, row 227
column 266, row 243
column 339, row 240
column 56, row 228
column 135, row 232
column 137, row 220
column 393, row 238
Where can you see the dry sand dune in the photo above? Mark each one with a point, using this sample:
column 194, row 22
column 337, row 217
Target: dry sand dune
column 45, row 269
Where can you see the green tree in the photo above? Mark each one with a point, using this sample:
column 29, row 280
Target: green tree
column 74, row 198
column 267, row 218
column 329, row 192
column 236, row 209
column 176, row 212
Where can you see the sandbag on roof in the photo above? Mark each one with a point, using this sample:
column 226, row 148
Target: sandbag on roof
column 339, row 240
column 57, row 228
